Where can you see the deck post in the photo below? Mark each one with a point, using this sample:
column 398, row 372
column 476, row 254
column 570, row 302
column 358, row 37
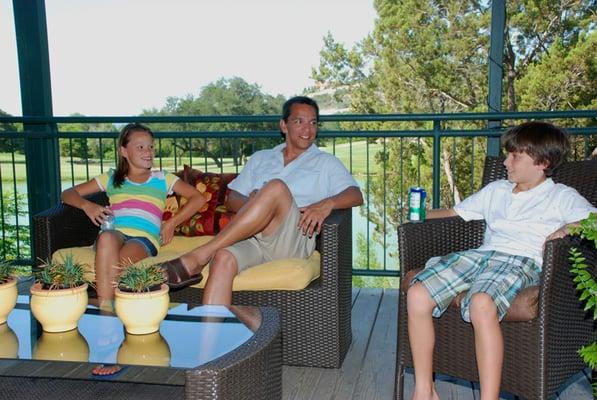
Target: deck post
column 41, row 142
column 496, row 51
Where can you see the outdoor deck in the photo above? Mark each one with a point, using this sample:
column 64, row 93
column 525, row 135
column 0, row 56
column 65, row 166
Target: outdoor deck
column 369, row 367
column 368, row 370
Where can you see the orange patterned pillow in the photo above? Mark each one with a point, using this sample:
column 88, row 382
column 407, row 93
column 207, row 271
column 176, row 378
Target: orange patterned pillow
column 213, row 216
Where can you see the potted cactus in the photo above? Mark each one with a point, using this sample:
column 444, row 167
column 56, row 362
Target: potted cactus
column 586, row 285
column 8, row 290
column 59, row 295
column 141, row 298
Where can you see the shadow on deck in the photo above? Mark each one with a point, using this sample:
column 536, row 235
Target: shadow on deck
column 369, row 367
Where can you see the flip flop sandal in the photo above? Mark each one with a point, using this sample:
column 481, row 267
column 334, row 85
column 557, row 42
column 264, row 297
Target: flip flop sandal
column 178, row 277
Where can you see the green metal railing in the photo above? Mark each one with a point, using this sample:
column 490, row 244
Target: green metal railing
column 386, row 153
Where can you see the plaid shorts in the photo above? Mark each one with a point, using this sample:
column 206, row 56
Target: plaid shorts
column 502, row 276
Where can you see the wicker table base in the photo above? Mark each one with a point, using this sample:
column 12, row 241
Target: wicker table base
column 251, row 371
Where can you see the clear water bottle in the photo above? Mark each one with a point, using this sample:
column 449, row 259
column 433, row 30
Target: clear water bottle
column 108, row 223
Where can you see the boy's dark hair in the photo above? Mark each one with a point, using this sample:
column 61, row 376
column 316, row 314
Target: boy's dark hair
column 287, row 107
column 122, row 165
column 543, row 141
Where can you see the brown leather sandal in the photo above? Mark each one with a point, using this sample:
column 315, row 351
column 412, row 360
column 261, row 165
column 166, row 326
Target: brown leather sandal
column 178, row 276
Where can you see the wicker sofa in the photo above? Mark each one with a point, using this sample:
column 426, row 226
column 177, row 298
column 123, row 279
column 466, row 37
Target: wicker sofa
column 315, row 321
column 539, row 353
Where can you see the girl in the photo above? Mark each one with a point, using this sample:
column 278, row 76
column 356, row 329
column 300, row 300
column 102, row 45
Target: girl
column 137, row 198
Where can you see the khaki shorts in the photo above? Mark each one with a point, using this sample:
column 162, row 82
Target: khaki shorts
column 287, row 242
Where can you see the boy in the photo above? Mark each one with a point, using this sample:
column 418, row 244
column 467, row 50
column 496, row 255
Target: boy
column 521, row 213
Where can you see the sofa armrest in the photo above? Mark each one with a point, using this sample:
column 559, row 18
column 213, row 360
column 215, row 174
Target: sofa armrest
column 335, row 245
column 564, row 324
column 63, row 226
column 558, row 294
column 418, row 242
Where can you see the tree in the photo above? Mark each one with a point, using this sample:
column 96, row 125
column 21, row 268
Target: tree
column 15, row 241
column 561, row 79
column 224, row 97
column 6, row 144
column 364, row 256
column 535, row 28
column 431, row 56
column 84, row 148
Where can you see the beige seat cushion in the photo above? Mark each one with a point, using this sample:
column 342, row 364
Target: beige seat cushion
column 523, row 308
column 287, row 274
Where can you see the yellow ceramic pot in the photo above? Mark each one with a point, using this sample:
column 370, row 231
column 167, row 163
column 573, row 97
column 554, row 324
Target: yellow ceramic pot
column 62, row 346
column 8, row 298
column 9, row 343
column 150, row 349
column 142, row 313
column 58, row 310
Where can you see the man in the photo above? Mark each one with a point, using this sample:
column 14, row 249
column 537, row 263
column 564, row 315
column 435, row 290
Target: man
column 281, row 198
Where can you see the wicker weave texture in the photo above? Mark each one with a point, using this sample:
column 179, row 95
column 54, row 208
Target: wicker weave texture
column 254, row 371
column 15, row 388
column 251, row 371
column 316, row 321
column 539, row 355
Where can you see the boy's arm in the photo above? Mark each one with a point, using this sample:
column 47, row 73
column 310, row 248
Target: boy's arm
column 441, row 213
column 195, row 200
column 562, row 232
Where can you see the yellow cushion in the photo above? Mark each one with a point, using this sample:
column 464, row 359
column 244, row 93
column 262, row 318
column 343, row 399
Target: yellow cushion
column 286, row 274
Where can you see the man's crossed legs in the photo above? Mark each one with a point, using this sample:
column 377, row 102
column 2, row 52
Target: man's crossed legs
column 263, row 213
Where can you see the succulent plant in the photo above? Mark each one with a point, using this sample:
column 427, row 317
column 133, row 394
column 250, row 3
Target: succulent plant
column 140, row 277
column 7, row 271
column 64, row 274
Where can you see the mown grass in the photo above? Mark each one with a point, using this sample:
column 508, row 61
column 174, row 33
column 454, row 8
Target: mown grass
column 354, row 156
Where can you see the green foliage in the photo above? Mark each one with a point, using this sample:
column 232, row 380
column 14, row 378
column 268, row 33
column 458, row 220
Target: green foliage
column 14, row 237
column 224, row 97
column 67, row 273
column 585, row 283
column 431, row 56
column 84, row 148
column 6, row 144
column 140, row 277
column 365, row 254
column 371, row 260
column 7, row 271
column 562, row 79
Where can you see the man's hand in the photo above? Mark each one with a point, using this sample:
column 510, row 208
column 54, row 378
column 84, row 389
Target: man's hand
column 313, row 215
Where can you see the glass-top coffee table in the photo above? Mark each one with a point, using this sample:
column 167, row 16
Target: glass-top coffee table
column 210, row 352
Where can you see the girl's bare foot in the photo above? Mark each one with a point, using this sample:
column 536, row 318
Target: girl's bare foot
column 106, row 369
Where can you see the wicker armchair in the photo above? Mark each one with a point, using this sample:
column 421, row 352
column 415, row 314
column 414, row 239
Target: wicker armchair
column 315, row 321
column 540, row 353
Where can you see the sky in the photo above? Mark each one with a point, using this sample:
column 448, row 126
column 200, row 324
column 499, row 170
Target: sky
column 119, row 57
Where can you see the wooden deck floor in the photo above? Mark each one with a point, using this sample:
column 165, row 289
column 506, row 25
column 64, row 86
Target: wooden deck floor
column 369, row 367
column 368, row 370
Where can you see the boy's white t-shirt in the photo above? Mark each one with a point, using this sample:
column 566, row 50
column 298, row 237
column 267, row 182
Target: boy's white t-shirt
column 518, row 223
